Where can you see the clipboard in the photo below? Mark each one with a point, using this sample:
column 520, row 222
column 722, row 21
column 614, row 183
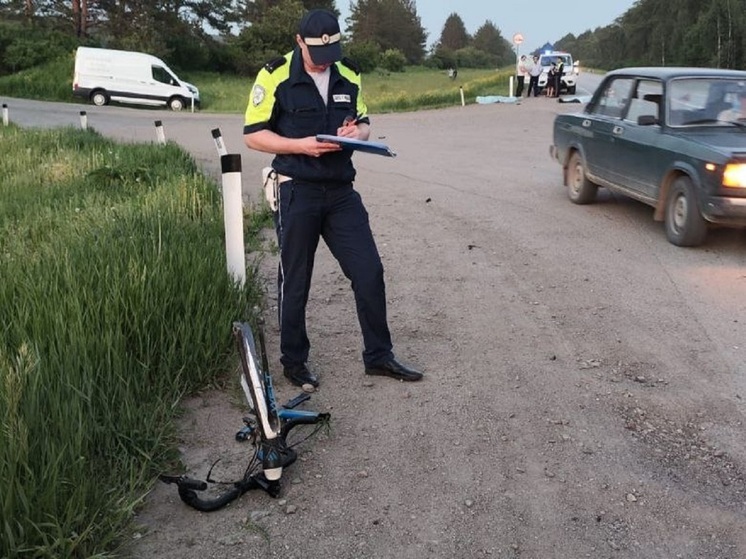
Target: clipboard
column 375, row 148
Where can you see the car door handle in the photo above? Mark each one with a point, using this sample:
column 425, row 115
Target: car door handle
column 586, row 123
column 618, row 130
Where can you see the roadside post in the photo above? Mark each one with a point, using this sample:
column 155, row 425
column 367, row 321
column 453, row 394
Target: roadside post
column 235, row 255
column 517, row 41
column 461, row 89
column 159, row 133
column 83, row 120
column 219, row 144
column 5, row 114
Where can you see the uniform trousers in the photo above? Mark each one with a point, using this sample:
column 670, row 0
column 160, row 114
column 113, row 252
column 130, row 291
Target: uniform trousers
column 307, row 212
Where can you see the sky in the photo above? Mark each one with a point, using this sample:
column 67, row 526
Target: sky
column 539, row 21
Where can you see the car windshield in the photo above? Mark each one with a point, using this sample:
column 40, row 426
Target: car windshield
column 549, row 59
column 706, row 101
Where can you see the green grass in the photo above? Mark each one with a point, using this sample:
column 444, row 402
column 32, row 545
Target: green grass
column 116, row 302
column 49, row 82
column 416, row 88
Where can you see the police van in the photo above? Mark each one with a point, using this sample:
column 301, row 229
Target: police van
column 569, row 72
column 104, row 75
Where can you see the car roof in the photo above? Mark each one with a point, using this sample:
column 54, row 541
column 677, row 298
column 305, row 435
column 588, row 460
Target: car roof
column 670, row 72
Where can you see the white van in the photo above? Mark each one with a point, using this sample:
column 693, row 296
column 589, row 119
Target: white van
column 104, row 75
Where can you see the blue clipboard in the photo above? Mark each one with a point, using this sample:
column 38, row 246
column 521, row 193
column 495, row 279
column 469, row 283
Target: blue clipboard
column 376, row 148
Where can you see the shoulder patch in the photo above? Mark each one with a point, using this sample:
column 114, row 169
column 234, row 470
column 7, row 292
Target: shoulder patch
column 351, row 64
column 274, row 64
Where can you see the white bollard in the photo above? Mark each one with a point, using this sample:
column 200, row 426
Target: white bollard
column 159, row 133
column 463, row 103
column 219, row 145
column 233, row 217
column 510, row 92
column 5, row 114
column 192, row 103
column 83, row 120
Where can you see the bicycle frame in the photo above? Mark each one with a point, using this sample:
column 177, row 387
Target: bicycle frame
column 267, row 432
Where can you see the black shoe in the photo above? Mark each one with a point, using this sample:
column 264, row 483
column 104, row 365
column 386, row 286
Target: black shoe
column 392, row 368
column 300, row 375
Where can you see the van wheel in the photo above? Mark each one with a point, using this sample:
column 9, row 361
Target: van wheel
column 99, row 98
column 176, row 103
column 685, row 226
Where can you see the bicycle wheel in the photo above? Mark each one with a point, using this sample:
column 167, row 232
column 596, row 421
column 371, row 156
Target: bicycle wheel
column 257, row 385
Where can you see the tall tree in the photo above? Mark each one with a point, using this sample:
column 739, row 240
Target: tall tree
column 257, row 9
column 392, row 24
column 454, row 35
column 489, row 39
column 271, row 36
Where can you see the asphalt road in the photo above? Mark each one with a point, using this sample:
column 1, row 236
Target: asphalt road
column 585, row 379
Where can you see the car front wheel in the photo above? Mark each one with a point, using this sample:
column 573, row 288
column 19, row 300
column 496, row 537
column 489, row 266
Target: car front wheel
column 579, row 188
column 685, row 226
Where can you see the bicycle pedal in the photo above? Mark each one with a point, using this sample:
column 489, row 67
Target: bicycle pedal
column 299, row 399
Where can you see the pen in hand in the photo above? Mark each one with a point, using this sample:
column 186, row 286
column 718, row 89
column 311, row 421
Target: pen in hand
column 349, row 127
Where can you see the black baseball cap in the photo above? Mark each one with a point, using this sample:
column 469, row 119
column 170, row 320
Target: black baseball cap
column 319, row 29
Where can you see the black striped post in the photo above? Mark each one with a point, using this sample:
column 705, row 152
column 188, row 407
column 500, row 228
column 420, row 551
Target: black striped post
column 83, row 120
column 219, row 145
column 160, row 134
column 5, row 114
column 233, row 217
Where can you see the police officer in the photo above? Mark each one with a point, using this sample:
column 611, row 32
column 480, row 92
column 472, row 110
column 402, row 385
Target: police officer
column 560, row 70
column 313, row 90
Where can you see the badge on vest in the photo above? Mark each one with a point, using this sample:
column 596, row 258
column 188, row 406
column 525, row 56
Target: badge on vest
column 257, row 95
column 339, row 98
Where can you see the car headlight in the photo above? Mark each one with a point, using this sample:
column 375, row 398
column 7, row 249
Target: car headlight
column 734, row 175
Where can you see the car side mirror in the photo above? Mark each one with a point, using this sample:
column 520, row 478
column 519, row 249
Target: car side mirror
column 647, row 120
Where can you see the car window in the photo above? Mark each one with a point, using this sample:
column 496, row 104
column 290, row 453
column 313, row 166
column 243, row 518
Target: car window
column 547, row 60
column 646, row 101
column 613, row 98
column 699, row 101
column 162, row 75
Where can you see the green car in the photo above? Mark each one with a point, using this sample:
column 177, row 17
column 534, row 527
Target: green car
column 673, row 138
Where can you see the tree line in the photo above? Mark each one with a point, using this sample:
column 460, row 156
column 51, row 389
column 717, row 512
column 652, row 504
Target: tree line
column 236, row 36
column 667, row 33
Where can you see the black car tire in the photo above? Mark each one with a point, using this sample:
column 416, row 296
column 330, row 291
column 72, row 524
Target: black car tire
column 579, row 189
column 100, row 98
column 685, row 226
column 176, row 103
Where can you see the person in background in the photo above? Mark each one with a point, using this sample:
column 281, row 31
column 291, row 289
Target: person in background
column 313, row 90
column 521, row 73
column 559, row 71
column 534, row 73
column 551, row 80
column 737, row 111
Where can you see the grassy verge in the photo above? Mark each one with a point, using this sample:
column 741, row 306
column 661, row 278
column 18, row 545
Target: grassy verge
column 416, row 88
column 116, row 303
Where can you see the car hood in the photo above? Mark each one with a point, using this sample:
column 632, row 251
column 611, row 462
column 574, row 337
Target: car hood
column 191, row 87
column 730, row 142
